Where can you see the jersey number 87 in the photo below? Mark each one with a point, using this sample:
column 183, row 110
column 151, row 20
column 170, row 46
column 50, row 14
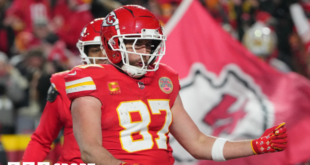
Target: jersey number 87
column 141, row 127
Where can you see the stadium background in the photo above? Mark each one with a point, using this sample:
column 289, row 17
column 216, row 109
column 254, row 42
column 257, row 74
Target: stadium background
column 38, row 37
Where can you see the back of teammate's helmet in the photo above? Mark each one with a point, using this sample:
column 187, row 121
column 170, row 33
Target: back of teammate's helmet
column 90, row 36
column 132, row 22
column 260, row 40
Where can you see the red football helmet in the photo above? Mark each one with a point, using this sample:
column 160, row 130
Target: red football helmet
column 132, row 22
column 90, row 36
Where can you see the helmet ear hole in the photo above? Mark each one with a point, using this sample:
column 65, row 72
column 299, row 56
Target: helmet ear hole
column 105, row 41
column 112, row 43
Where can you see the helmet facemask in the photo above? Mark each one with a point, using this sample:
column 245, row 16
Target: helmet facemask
column 157, row 47
column 85, row 59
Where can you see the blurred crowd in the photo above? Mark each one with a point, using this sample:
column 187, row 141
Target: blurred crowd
column 276, row 31
column 38, row 38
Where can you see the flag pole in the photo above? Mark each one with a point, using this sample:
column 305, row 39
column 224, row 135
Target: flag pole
column 178, row 14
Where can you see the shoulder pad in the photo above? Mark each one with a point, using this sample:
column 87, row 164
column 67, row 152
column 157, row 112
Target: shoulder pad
column 89, row 66
column 167, row 68
column 81, row 80
column 52, row 94
column 94, row 71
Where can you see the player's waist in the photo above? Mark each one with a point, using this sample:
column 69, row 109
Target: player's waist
column 154, row 157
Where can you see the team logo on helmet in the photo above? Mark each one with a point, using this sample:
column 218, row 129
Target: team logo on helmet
column 83, row 33
column 165, row 84
column 110, row 20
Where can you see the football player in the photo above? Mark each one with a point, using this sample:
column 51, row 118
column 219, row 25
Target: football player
column 124, row 112
column 56, row 114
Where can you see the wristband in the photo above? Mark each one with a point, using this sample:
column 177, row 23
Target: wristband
column 217, row 149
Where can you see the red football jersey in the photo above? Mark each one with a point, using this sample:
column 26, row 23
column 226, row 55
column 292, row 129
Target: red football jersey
column 56, row 115
column 136, row 113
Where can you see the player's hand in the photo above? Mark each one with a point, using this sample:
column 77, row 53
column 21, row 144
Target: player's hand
column 273, row 140
column 124, row 163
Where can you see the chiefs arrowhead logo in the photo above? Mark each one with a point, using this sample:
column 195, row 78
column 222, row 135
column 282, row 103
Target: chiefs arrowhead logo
column 83, row 33
column 110, row 20
column 230, row 105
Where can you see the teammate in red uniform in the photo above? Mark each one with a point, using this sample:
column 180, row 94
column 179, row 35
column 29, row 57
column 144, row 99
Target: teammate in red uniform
column 56, row 114
column 123, row 112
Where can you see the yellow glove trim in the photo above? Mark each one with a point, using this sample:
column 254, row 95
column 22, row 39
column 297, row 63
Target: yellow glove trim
column 253, row 148
column 281, row 125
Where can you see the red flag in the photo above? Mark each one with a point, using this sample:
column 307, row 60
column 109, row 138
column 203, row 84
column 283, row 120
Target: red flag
column 231, row 93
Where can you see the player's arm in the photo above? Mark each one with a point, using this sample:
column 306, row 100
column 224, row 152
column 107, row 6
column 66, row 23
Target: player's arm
column 201, row 146
column 48, row 129
column 86, row 115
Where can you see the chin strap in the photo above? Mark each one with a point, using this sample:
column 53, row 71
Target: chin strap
column 132, row 72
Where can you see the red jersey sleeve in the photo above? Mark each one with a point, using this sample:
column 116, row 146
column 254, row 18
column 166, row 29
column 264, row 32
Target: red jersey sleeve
column 52, row 120
column 48, row 129
column 83, row 80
